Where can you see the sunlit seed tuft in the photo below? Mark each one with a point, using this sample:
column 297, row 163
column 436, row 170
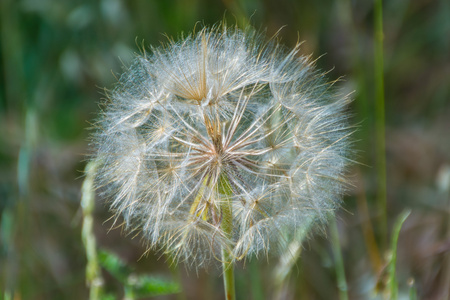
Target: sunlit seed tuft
column 222, row 123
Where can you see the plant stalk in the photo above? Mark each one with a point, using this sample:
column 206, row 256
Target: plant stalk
column 393, row 284
column 94, row 278
column 228, row 275
column 227, row 227
column 380, row 121
column 339, row 260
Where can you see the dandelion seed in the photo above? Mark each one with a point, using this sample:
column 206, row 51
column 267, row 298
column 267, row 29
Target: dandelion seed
column 222, row 141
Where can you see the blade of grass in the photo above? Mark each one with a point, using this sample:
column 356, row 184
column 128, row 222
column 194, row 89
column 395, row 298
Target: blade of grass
column 367, row 228
column 16, row 99
column 7, row 230
column 365, row 119
column 256, row 281
column 393, row 284
column 412, row 290
column 339, row 260
column 443, row 183
column 176, row 273
column 288, row 258
column 380, row 121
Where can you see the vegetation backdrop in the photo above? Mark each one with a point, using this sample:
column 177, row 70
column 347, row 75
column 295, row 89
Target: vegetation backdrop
column 57, row 56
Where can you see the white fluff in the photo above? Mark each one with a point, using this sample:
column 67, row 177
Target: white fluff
column 221, row 103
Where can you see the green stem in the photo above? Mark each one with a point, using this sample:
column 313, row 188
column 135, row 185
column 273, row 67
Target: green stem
column 227, row 227
column 228, row 275
column 380, row 120
column 129, row 292
column 339, row 261
column 393, row 284
column 176, row 274
column 255, row 279
column 93, row 275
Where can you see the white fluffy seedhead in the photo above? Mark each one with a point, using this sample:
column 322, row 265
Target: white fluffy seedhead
column 221, row 106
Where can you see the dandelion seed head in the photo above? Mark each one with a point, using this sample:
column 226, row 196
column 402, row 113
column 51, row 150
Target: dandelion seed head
column 222, row 105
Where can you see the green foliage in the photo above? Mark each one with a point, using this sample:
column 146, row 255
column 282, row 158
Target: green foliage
column 145, row 286
column 114, row 265
column 339, row 260
column 393, row 283
column 136, row 286
column 56, row 56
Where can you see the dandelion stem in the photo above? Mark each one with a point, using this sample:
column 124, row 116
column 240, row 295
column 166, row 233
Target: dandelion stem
column 228, row 275
column 227, row 227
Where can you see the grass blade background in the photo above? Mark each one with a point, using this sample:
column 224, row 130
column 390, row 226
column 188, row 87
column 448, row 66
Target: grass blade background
column 393, row 284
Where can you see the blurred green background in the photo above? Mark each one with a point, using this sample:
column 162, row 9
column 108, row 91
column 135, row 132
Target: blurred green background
column 57, row 56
